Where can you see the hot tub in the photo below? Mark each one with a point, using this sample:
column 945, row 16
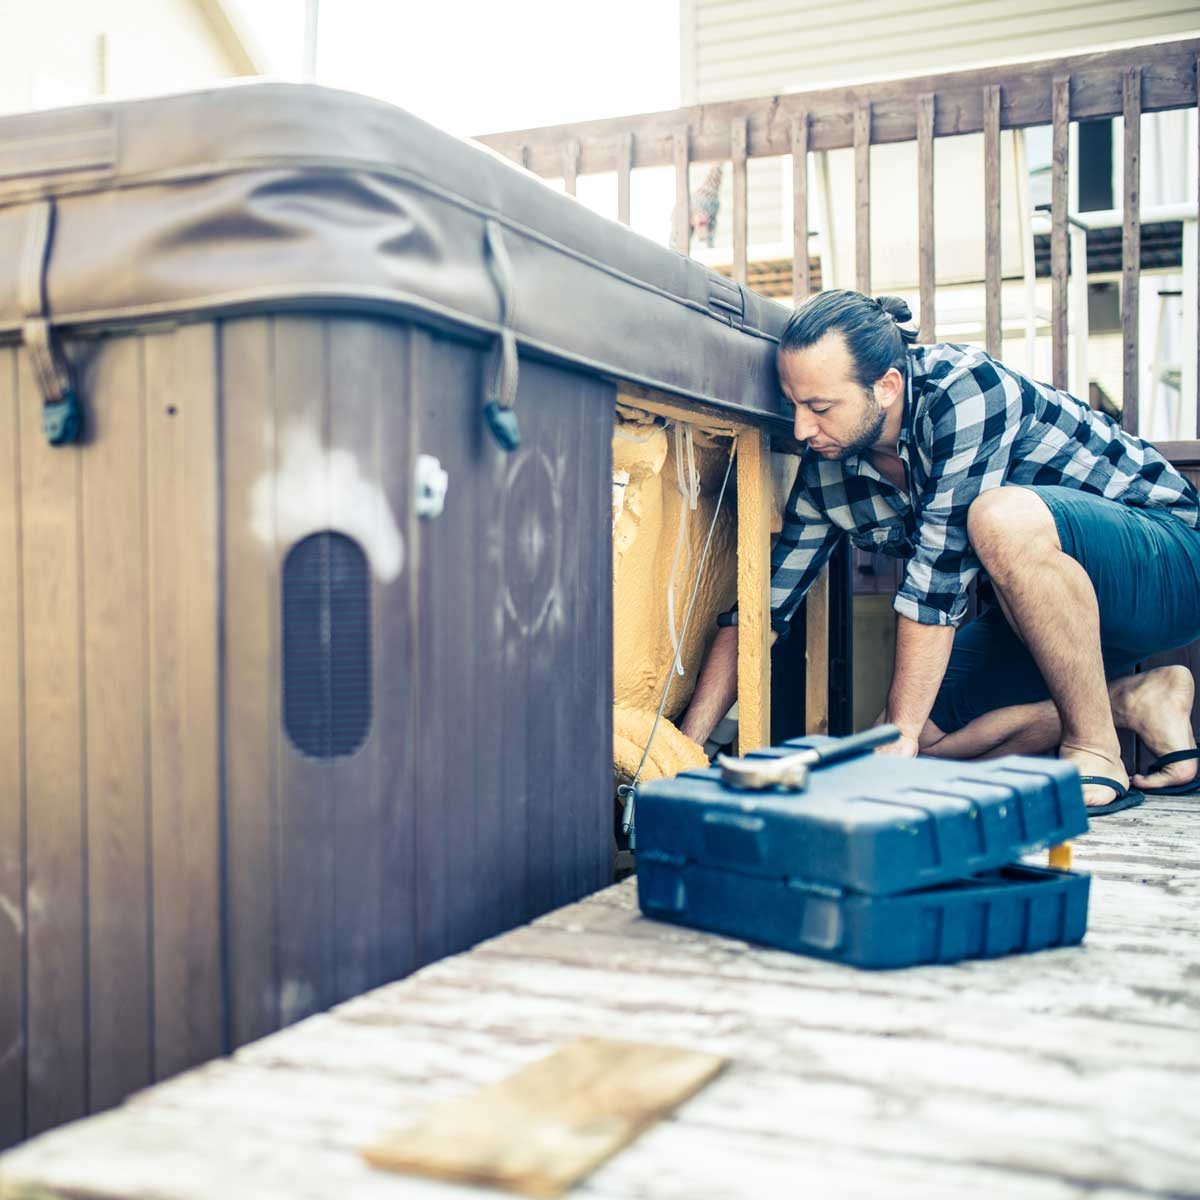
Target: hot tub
column 306, row 414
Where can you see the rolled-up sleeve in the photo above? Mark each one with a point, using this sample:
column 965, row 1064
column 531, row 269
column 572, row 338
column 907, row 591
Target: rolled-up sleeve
column 970, row 427
column 804, row 544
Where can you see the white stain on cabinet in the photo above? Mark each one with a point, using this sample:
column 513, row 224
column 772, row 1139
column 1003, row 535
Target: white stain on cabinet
column 316, row 488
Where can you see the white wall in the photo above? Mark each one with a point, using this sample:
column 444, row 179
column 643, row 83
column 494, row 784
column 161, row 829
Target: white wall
column 786, row 45
column 56, row 52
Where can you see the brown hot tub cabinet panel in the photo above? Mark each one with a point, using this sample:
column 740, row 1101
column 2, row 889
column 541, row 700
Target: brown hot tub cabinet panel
column 278, row 720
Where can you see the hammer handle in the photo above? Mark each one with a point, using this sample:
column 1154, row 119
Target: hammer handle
column 855, row 744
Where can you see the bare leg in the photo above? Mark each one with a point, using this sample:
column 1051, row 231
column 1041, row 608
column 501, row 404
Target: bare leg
column 1155, row 705
column 1052, row 605
column 1021, row 729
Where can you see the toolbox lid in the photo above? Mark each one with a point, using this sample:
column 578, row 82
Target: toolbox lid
column 875, row 825
column 269, row 196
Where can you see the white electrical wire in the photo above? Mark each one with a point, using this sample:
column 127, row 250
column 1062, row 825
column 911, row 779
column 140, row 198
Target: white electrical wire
column 689, row 498
column 629, row 790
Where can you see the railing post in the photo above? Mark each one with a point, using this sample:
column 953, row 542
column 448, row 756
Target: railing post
column 570, row 160
column 1077, row 380
column 991, row 218
column 1131, row 246
column 801, row 280
column 681, row 239
column 1061, row 113
column 624, row 174
column 740, row 214
column 816, row 612
column 862, row 198
column 755, row 495
column 926, row 114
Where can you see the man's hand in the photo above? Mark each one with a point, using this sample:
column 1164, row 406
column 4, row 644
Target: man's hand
column 922, row 652
column 905, row 746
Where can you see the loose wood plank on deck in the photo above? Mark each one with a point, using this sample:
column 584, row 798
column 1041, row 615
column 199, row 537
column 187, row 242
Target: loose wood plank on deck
column 1046, row 1076
column 547, row 1125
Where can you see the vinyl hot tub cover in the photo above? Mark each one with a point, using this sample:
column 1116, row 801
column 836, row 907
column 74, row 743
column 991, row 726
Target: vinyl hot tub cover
column 270, row 196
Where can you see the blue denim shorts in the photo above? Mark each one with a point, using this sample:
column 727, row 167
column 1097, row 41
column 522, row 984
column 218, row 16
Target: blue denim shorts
column 1145, row 566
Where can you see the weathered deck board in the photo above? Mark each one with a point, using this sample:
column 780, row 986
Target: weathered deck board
column 1064, row 1074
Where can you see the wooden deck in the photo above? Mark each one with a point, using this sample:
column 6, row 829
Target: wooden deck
column 1064, row 1074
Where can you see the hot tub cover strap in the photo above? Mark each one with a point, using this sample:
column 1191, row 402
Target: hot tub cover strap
column 498, row 409
column 61, row 411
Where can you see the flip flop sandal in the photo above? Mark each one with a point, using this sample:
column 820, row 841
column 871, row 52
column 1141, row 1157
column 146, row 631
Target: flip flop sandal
column 1125, row 797
column 1174, row 789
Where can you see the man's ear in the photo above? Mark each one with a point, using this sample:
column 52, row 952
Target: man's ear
column 889, row 387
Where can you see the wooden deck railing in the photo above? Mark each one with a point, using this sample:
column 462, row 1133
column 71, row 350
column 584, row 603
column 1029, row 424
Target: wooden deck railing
column 1120, row 83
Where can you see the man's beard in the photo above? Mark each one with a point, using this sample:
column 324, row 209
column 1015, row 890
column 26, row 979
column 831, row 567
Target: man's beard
column 868, row 431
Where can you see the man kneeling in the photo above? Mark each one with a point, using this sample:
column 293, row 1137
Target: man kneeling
column 1089, row 538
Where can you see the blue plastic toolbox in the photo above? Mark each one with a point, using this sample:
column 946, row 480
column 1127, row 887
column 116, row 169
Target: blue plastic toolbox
column 881, row 862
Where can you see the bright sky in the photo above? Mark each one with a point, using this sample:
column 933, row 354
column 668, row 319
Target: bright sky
column 473, row 67
column 482, row 66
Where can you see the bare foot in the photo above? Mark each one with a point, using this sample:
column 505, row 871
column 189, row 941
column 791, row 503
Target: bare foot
column 1157, row 706
column 1092, row 761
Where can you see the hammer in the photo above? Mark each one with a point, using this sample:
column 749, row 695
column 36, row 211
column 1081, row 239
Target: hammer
column 791, row 770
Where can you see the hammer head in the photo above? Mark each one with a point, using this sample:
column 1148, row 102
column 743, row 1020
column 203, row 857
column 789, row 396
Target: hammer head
column 759, row 774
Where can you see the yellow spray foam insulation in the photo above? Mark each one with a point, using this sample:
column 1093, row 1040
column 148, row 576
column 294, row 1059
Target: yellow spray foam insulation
column 646, row 520
column 670, row 752
column 629, row 416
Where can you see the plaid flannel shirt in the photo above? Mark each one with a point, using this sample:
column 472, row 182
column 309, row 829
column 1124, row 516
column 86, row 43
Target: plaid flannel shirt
column 970, row 424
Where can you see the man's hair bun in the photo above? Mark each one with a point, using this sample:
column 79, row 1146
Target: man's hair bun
column 875, row 331
column 897, row 308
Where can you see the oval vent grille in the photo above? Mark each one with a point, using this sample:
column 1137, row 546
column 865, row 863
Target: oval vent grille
column 326, row 645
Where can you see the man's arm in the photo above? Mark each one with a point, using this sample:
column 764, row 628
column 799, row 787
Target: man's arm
column 716, row 688
column 922, row 652
column 806, row 541
column 971, row 427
